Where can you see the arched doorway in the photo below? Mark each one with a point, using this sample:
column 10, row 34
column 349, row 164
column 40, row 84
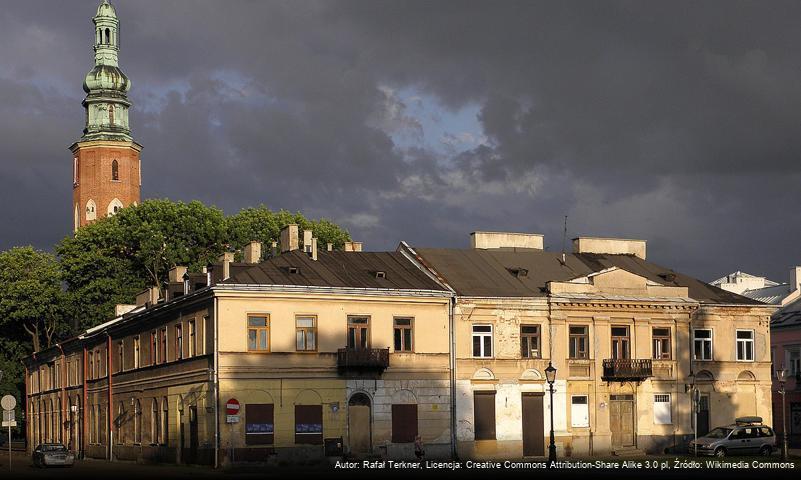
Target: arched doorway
column 359, row 423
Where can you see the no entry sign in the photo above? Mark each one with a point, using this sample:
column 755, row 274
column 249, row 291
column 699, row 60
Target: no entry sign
column 232, row 407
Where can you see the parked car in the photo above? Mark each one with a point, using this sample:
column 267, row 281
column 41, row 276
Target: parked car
column 747, row 436
column 52, row 455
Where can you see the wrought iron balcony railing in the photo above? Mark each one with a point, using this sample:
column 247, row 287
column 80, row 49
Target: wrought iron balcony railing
column 363, row 358
column 623, row 370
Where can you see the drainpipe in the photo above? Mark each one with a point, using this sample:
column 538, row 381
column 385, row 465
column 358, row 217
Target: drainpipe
column 63, row 392
column 27, row 413
column 84, row 405
column 452, row 329
column 110, row 401
column 216, row 378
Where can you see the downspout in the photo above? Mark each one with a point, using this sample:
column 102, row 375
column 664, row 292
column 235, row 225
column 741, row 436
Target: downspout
column 28, row 438
column 216, row 377
column 84, row 405
column 64, row 380
column 110, row 401
column 452, row 333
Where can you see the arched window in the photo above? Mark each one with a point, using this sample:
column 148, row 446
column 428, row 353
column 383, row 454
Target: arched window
column 137, row 421
column 91, row 210
column 115, row 170
column 165, row 426
column 108, row 36
column 114, row 207
column 154, row 422
column 111, row 114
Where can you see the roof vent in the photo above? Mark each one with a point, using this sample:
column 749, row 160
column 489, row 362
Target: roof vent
column 518, row 272
column 291, row 270
column 380, row 274
column 668, row 276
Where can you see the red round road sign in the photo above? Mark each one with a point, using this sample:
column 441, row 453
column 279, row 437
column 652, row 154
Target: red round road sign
column 232, row 407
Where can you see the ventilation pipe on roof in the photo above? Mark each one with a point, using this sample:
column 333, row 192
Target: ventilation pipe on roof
column 314, row 248
column 329, row 247
column 289, row 238
column 273, row 249
column 307, row 240
column 252, row 252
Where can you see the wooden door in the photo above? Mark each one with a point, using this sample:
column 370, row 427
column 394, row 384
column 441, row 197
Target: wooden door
column 703, row 415
column 359, row 425
column 621, row 420
column 533, row 425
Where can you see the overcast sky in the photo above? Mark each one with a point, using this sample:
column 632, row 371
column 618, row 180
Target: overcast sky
column 675, row 122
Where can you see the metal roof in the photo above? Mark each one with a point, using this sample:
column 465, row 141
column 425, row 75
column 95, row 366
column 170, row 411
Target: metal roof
column 787, row 316
column 489, row 273
column 336, row 269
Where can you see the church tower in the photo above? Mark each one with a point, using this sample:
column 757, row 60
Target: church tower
column 106, row 169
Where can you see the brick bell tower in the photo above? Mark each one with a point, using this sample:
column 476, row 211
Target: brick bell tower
column 106, row 168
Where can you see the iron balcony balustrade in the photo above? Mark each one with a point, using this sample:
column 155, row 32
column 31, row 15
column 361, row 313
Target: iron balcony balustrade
column 627, row 370
column 363, row 358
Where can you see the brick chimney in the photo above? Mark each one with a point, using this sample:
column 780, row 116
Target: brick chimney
column 353, row 246
column 252, row 252
column 611, row 246
column 289, row 238
column 795, row 278
column 226, row 259
column 496, row 240
column 177, row 273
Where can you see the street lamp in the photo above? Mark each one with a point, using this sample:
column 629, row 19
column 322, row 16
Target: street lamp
column 550, row 376
column 781, row 376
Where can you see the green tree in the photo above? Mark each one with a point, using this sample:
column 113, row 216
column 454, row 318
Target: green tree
column 31, row 298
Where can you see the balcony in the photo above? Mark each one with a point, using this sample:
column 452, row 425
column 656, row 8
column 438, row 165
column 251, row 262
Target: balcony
column 627, row 370
column 363, row 358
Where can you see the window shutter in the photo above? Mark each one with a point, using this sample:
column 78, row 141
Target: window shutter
column 309, row 424
column 259, row 426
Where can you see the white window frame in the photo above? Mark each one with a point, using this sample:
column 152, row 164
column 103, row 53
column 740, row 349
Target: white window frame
column 574, row 421
column 482, row 335
column 744, row 341
column 793, row 364
column 657, row 420
column 711, row 341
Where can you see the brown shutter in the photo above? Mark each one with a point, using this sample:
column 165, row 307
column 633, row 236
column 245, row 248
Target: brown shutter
column 259, row 426
column 484, row 415
column 404, row 423
column 309, row 424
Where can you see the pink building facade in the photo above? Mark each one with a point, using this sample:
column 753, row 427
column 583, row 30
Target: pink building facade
column 785, row 339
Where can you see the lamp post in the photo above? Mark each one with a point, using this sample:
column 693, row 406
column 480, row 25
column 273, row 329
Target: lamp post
column 550, row 376
column 781, row 376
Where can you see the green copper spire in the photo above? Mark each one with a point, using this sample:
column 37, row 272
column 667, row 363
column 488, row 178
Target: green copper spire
column 106, row 87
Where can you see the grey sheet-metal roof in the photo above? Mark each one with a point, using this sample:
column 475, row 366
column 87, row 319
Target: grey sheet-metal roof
column 336, row 269
column 788, row 316
column 490, row 273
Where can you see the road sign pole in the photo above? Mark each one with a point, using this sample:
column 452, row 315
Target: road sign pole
column 9, row 449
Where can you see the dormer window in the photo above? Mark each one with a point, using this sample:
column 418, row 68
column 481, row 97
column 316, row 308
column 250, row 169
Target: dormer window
column 291, row 270
column 380, row 274
column 518, row 272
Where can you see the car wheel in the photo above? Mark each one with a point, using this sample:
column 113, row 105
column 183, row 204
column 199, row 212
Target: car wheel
column 765, row 451
column 720, row 452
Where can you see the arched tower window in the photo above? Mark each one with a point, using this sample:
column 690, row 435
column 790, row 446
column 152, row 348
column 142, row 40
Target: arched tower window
column 91, row 210
column 111, row 114
column 115, row 170
column 108, row 36
column 114, row 207
column 77, row 217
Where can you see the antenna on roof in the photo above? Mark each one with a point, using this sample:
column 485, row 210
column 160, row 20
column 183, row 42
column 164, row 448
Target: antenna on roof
column 564, row 240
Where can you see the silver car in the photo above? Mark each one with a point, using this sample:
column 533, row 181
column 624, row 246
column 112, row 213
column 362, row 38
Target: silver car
column 746, row 437
column 52, row 455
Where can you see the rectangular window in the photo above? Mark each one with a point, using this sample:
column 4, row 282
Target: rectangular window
column 482, row 341
column 179, row 342
column 793, row 360
column 745, row 345
column 120, row 356
column 163, row 345
column 620, row 343
column 404, row 423
column 136, row 352
column 484, row 415
column 661, row 343
column 153, row 346
column 702, row 344
column 305, row 333
column 579, row 411
column 259, row 426
column 358, row 332
column 403, row 334
column 192, row 338
column 530, row 341
column 662, row 414
column 258, row 333
column 309, row 424
column 579, row 339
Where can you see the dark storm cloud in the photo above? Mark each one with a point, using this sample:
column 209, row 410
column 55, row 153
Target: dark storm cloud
column 676, row 122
